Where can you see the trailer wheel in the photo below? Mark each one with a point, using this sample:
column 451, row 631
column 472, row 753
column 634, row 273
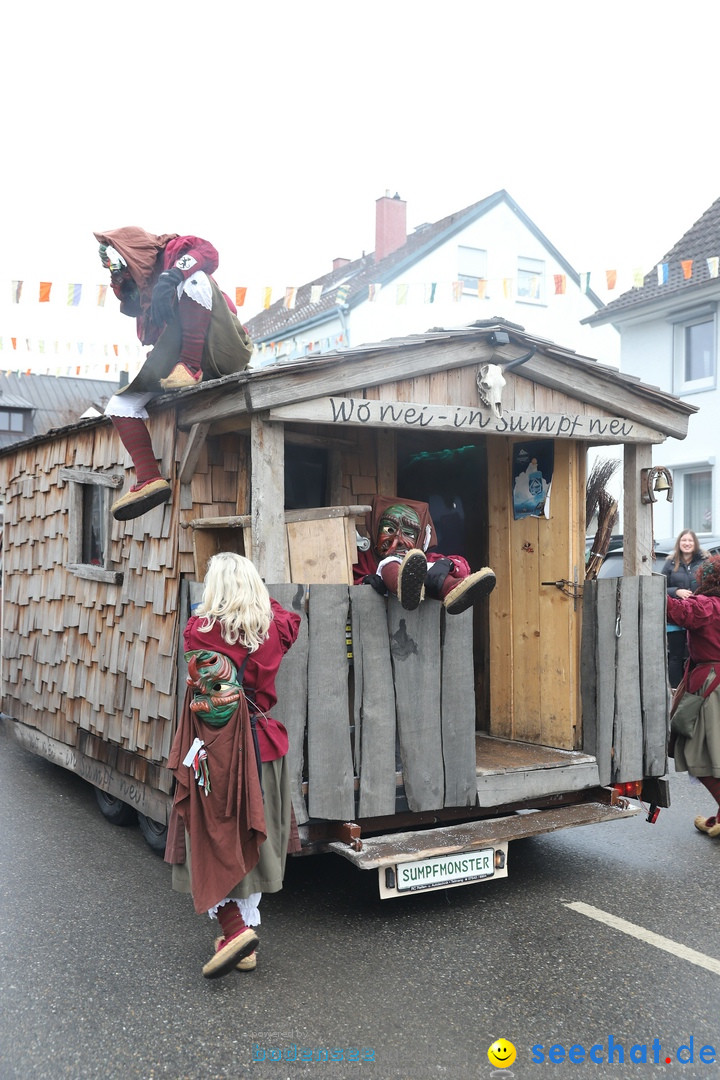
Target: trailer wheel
column 154, row 832
column 115, row 810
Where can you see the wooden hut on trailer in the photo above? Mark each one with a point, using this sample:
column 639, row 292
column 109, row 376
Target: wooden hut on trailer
column 414, row 736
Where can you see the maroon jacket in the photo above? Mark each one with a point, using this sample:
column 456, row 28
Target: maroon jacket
column 700, row 616
column 260, row 670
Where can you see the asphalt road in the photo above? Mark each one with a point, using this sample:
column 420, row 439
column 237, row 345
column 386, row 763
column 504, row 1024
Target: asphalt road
column 100, row 960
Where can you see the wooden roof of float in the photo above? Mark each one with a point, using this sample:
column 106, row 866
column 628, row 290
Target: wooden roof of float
column 543, row 362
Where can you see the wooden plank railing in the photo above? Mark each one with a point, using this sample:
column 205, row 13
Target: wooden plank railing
column 625, row 696
column 410, row 684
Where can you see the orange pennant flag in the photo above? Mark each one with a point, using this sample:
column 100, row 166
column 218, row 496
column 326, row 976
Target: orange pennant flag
column 240, row 294
column 611, row 278
column 482, row 288
column 14, row 342
column 687, row 265
column 560, row 282
column 45, row 287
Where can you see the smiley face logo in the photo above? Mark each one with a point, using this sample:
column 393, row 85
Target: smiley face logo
column 501, row 1054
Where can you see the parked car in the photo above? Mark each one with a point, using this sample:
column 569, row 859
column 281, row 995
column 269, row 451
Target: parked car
column 612, row 565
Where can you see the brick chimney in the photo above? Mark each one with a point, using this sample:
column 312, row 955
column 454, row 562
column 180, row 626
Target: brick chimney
column 337, row 263
column 390, row 224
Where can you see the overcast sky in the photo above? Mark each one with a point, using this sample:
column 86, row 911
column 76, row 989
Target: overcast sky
column 271, row 129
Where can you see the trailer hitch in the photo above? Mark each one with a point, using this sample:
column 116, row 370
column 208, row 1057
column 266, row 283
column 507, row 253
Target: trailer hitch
column 348, row 832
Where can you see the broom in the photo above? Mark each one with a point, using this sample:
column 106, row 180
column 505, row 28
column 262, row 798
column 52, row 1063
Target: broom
column 599, row 501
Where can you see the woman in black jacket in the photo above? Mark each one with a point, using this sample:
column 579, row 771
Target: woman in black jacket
column 680, row 569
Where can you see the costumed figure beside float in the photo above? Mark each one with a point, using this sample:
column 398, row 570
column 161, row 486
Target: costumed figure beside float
column 231, row 825
column 165, row 283
column 399, row 561
column 695, row 714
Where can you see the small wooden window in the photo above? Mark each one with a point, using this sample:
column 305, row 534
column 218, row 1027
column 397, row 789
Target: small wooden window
column 90, row 524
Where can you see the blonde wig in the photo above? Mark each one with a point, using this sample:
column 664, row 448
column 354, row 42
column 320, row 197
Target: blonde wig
column 236, row 597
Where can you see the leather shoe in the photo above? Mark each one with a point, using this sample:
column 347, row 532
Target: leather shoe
column 180, row 377
column 140, row 499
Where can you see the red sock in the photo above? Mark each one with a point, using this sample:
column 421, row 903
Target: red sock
column 712, row 783
column 390, row 573
column 135, row 437
column 195, row 321
column 451, row 582
column 230, row 919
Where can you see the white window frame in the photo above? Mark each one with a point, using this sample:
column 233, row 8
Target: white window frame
column 681, row 324
column 534, row 268
column 77, row 479
column 680, row 474
column 471, row 259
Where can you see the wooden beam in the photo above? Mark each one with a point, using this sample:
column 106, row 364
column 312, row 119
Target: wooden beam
column 87, row 476
column 371, row 368
column 415, row 415
column 386, row 462
column 193, row 449
column 606, row 392
column 637, row 516
column 267, row 500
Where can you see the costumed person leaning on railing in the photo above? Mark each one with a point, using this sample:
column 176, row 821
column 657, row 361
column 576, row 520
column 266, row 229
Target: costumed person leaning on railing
column 680, row 569
column 230, row 827
column 695, row 715
column 402, row 559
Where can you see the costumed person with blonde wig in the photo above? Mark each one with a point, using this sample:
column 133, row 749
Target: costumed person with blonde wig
column 230, row 827
column 399, row 563
column 165, row 283
column 698, row 752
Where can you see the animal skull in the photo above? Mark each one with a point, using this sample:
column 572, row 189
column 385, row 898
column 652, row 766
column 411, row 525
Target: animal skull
column 490, row 383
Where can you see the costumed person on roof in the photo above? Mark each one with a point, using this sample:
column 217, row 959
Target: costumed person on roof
column 398, row 561
column 230, row 827
column 166, row 284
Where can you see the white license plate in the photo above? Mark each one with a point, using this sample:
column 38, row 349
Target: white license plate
column 445, row 871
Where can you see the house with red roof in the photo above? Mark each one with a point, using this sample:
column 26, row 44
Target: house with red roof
column 485, row 261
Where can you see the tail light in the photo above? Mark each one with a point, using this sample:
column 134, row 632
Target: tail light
column 632, row 789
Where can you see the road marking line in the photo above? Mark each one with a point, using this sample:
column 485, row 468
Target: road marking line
column 639, row 932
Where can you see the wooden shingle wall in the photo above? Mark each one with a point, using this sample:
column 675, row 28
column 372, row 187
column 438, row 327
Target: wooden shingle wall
column 86, row 662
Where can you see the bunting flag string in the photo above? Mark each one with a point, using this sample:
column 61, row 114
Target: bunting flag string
column 77, row 294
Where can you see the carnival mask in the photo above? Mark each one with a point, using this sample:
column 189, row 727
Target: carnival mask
column 398, row 531
column 216, row 691
column 122, row 280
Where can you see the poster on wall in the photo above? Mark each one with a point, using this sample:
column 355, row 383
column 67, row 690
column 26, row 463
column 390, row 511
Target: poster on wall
column 532, row 470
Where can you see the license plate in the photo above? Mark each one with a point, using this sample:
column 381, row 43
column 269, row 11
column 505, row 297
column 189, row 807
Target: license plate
column 445, row 871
